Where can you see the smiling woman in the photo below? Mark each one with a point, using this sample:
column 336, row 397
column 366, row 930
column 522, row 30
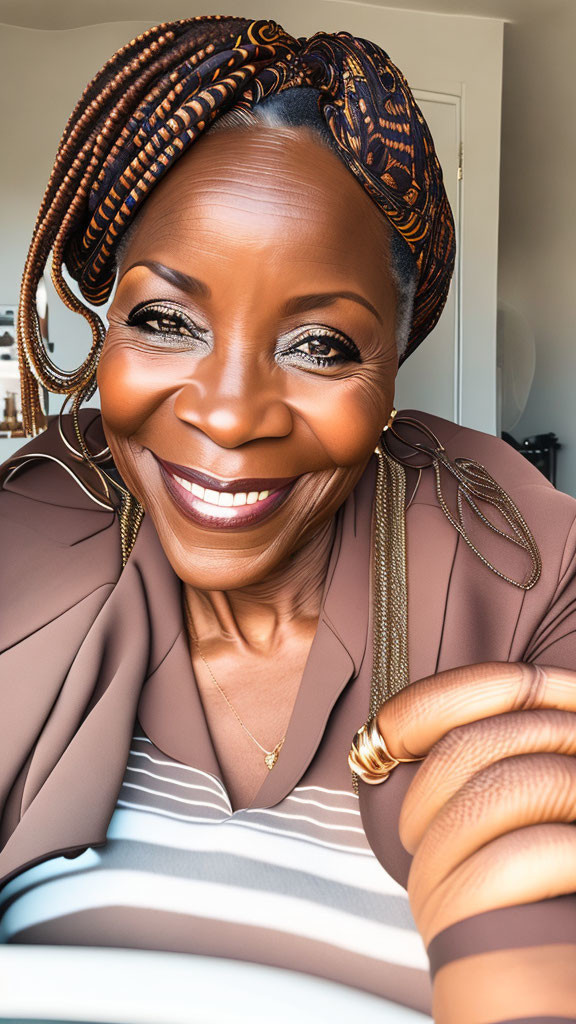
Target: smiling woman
column 260, row 373
column 246, row 588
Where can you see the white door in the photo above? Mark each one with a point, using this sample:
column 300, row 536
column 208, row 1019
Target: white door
column 430, row 377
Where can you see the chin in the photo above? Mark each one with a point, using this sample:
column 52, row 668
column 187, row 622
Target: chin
column 211, row 560
column 210, row 548
column 204, row 569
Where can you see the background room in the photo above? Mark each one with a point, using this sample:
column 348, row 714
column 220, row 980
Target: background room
column 494, row 79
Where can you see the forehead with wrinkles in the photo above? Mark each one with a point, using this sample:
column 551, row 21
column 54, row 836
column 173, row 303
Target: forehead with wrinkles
column 270, row 188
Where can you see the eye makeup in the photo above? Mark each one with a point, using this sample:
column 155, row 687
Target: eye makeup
column 326, row 347
column 318, row 346
column 171, row 321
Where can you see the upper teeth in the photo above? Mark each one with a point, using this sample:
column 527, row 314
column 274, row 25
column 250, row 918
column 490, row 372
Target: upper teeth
column 222, row 497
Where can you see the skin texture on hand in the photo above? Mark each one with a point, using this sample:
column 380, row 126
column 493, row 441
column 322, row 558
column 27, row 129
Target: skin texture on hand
column 487, row 819
column 509, row 985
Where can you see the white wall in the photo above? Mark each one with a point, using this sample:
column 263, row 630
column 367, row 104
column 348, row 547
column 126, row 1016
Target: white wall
column 42, row 75
column 445, row 53
column 538, row 217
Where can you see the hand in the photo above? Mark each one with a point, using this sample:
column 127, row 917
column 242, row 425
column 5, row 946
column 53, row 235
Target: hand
column 486, row 816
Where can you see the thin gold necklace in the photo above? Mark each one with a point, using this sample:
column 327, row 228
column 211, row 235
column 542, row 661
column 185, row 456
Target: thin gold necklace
column 270, row 756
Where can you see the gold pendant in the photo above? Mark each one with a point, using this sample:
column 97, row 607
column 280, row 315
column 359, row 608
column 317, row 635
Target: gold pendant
column 272, row 757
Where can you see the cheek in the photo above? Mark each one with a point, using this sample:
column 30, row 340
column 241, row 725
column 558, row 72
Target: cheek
column 132, row 385
column 347, row 418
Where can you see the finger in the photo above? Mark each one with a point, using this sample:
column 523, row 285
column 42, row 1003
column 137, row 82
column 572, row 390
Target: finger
column 413, row 720
column 530, row 864
column 468, row 749
column 534, row 983
column 512, row 794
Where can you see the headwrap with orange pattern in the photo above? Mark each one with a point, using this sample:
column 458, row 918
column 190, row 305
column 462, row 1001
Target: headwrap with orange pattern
column 157, row 95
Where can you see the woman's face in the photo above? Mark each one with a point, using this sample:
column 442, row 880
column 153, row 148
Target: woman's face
column 251, row 348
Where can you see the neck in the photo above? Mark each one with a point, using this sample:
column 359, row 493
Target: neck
column 257, row 618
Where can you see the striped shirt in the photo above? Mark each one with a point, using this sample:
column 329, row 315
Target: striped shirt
column 294, row 885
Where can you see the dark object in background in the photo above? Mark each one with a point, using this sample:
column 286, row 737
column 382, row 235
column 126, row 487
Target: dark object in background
column 540, row 450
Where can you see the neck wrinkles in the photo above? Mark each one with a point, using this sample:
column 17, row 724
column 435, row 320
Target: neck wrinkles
column 258, row 616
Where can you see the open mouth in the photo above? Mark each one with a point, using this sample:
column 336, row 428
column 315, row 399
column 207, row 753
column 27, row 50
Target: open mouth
column 223, row 504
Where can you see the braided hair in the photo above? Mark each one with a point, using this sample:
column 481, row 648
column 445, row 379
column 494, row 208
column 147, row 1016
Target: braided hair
column 153, row 99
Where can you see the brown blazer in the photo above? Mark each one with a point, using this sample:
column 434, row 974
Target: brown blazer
column 85, row 646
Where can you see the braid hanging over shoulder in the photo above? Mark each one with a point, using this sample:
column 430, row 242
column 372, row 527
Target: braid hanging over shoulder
column 148, row 105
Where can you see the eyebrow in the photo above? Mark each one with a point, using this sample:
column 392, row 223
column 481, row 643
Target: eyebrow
column 298, row 304
column 177, row 277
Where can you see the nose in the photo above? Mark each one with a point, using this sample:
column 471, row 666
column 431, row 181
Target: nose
column 233, row 406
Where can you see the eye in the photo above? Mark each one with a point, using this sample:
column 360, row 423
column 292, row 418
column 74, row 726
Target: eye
column 160, row 319
column 323, row 347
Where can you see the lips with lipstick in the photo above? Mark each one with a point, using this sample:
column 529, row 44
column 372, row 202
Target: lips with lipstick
column 224, row 504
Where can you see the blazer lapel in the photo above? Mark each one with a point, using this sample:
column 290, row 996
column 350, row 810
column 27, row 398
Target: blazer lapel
column 76, row 650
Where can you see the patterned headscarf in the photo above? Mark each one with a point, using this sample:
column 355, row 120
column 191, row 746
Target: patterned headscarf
column 158, row 94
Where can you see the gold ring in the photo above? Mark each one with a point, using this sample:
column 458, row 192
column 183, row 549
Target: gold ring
column 369, row 756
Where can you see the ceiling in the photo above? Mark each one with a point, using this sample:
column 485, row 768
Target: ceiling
column 63, row 14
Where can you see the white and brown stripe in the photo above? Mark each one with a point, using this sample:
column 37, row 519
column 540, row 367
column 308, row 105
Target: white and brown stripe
column 295, row 885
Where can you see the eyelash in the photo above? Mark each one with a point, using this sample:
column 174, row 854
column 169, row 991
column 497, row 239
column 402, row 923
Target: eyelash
column 144, row 312
column 142, row 315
